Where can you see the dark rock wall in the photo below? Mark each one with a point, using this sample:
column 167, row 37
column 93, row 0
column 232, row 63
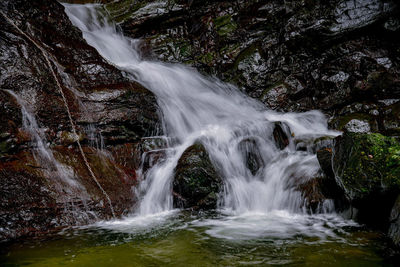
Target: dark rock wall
column 101, row 100
column 292, row 55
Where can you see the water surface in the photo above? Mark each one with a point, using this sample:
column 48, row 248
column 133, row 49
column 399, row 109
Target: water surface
column 178, row 238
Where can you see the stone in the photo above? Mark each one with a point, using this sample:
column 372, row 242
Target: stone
column 324, row 157
column 367, row 168
column 280, row 136
column 351, row 14
column 196, row 184
column 357, row 126
column 292, row 56
column 251, row 155
column 367, row 163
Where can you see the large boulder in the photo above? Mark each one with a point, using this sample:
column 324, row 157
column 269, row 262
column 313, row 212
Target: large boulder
column 197, row 183
column 367, row 167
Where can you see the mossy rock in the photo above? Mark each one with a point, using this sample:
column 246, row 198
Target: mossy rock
column 224, row 25
column 123, row 9
column 367, row 164
column 68, row 138
column 4, row 148
column 197, row 183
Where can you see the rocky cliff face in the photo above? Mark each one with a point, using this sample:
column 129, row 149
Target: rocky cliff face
column 293, row 55
column 44, row 180
column 337, row 56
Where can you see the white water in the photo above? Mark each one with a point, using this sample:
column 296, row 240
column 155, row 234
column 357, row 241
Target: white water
column 199, row 108
column 61, row 174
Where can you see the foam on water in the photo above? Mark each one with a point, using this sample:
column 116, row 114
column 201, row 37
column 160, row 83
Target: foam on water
column 138, row 224
column 277, row 224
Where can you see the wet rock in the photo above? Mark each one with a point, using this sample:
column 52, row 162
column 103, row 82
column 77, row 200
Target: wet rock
column 14, row 207
column 280, row 136
column 292, row 56
column 367, row 167
column 322, row 194
column 153, row 150
column 152, row 158
column 360, row 13
column 154, row 143
column 312, row 193
column 197, row 183
column 68, row 138
column 367, row 163
column 253, row 69
column 357, row 126
column 126, row 117
column 276, row 97
column 88, row 81
column 98, row 95
column 324, row 157
column 392, row 24
column 252, row 155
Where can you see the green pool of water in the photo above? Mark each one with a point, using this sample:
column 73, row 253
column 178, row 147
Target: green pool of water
column 180, row 239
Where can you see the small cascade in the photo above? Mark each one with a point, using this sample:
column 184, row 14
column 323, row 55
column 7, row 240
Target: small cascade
column 196, row 108
column 72, row 194
column 96, row 140
column 43, row 154
column 49, row 61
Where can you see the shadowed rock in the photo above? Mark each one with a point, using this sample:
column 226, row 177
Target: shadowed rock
column 197, row 183
column 34, row 198
column 367, row 167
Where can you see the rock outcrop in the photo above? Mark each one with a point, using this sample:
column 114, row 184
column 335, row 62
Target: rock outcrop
column 45, row 182
column 292, row 55
column 367, row 167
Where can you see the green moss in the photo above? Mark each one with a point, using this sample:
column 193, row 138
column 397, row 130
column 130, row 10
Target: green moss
column 121, row 10
column 372, row 163
column 207, row 58
column 196, row 179
column 224, row 25
column 231, row 50
column 245, row 53
column 4, row 147
column 185, row 49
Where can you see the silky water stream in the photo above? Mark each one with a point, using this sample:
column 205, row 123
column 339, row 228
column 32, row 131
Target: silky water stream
column 261, row 218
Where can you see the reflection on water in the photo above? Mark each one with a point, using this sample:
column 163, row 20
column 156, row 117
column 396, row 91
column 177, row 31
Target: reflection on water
column 178, row 238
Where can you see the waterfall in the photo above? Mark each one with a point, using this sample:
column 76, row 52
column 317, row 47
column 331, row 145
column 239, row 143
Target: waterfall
column 202, row 109
column 43, row 154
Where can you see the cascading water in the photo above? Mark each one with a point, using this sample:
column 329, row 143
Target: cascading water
column 43, row 154
column 196, row 108
column 63, row 177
